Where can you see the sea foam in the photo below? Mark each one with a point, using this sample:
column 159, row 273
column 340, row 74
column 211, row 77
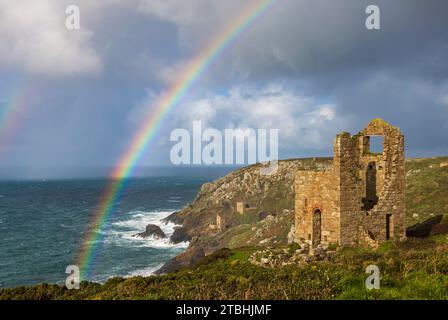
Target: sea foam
column 123, row 232
column 144, row 271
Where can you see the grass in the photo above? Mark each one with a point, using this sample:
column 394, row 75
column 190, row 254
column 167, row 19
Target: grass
column 426, row 189
column 414, row 269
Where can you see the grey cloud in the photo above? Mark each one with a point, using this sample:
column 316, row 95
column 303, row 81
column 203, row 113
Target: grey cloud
column 318, row 49
column 34, row 38
column 398, row 72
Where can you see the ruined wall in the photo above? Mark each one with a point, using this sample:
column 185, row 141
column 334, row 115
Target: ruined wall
column 372, row 185
column 317, row 191
column 240, row 207
column 390, row 183
column 346, row 154
column 362, row 197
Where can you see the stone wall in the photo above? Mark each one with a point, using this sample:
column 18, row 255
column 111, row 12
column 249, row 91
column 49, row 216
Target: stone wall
column 361, row 198
column 346, row 153
column 390, row 183
column 317, row 192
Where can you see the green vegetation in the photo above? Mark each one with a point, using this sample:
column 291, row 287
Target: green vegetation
column 293, row 247
column 426, row 189
column 251, row 215
column 414, row 269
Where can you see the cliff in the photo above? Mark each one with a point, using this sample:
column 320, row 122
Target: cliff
column 413, row 269
column 265, row 215
column 268, row 202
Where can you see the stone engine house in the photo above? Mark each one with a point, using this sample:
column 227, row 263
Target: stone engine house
column 358, row 200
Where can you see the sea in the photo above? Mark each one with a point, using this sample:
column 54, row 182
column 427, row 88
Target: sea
column 43, row 224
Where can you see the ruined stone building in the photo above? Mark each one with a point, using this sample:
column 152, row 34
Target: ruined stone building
column 240, row 207
column 361, row 198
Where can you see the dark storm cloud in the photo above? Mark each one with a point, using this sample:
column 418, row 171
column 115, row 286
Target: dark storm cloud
column 318, row 50
column 313, row 38
column 399, row 72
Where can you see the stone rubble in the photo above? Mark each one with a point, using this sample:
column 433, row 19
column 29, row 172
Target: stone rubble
column 278, row 257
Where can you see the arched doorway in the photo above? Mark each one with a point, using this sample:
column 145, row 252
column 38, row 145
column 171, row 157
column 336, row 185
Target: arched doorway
column 317, row 225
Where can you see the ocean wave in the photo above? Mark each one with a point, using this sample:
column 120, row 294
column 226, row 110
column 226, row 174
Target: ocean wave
column 144, row 272
column 119, row 272
column 174, row 201
column 123, row 232
column 128, row 238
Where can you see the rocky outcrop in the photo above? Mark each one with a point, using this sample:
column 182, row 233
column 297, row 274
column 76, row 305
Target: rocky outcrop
column 180, row 235
column 173, row 218
column 192, row 256
column 207, row 188
column 213, row 221
column 433, row 226
column 152, row 231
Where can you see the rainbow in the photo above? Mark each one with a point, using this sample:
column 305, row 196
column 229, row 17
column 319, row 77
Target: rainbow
column 12, row 111
column 194, row 69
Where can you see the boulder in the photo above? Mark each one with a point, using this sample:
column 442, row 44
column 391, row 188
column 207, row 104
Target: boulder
column 318, row 251
column 153, row 231
column 270, row 219
column 180, row 235
column 173, row 218
column 262, row 215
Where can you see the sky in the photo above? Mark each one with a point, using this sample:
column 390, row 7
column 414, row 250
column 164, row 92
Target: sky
column 309, row 68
